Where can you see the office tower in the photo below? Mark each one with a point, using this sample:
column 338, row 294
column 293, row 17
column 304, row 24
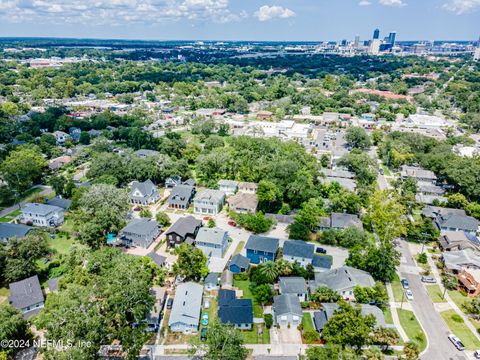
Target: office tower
column 344, row 43
column 375, row 46
column 476, row 54
column 357, row 41
column 391, row 38
column 376, row 34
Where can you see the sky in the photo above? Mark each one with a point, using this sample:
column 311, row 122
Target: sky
column 268, row 20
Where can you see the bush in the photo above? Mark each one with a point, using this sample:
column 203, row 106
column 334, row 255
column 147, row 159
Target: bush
column 440, row 265
column 457, row 318
column 163, row 219
column 242, row 276
column 422, row 258
column 305, row 304
column 311, row 336
column 268, row 320
column 145, row 213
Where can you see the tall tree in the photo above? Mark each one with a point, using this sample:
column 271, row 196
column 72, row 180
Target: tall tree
column 387, row 216
column 191, row 263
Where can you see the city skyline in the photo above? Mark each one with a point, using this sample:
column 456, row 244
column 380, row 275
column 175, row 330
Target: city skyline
column 281, row 20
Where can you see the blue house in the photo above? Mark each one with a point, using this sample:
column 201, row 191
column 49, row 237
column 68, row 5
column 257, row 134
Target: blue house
column 75, row 133
column 261, row 249
column 238, row 264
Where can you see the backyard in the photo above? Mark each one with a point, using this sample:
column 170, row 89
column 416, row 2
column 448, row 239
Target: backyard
column 412, row 328
column 253, row 337
column 244, row 285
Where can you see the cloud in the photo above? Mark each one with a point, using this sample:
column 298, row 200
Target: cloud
column 117, row 12
column 462, row 6
column 397, row 3
column 266, row 13
column 364, row 3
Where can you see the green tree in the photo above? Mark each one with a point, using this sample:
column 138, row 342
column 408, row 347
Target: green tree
column 191, row 263
column 263, row 294
column 12, row 326
column 163, row 219
column 224, row 342
column 385, row 336
column 269, row 271
column 357, row 137
column 411, row 351
column 58, row 183
column 269, row 197
column 324, row 294
column 146, row 213
column 387, row 216
column 329, row 352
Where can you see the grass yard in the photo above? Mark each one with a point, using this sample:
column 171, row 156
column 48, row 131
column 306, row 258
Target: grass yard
column 252, row 336
column 307, row 322
column 412, row 328
column 387, row 313
column 10, row 216
column 457, row 326
column 435, row 293
column 239, row 248
column 397, row 289
column 244, row 285
column 458, row 298
column 61, row 243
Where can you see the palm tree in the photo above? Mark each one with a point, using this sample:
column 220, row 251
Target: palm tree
column 269, row 271
column 284, row 267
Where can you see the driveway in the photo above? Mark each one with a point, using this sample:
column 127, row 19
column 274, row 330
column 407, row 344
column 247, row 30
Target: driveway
column 285, row 335
column 439, row 347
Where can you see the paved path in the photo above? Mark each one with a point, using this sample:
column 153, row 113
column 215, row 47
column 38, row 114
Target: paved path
column 436, row 331
column 393, row 310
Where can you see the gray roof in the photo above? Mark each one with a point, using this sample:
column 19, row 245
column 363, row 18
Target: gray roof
column 457, row 260
column 341, row 220
column 321, row 261
column 159, row 260
column 298, row 248
column 146, row 188
column 8, row 231
column 459, row 222
column 184, row 226
column 26, row 292
column 216, row 196
column 240, row 260
column 187, row 304
column 339, row 173
column 141, row 226
column 293, row 285
column 434, row 211
column 349, row 184
column 211, row 236
column 417, row 173
column 181, row 195
column 212, row 278
column 328, row 309
column 53, row 284
column 344, row 277
column 262, row 243
column 146, row 153
column 40, row 209
column 287, row 304
column 60, row 202
column 229, row 183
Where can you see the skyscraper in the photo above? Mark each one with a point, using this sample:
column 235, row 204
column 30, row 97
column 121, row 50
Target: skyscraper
column 357, row 41
column 376, row 34
column 391, row 38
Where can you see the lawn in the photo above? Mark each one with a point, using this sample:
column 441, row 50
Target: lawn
column 387, row 313
column 244, row 285
column 412, row 328
column 212, row 311
column 61, row 243
column 435, row 293
column 457, row 326
column 252, row 336
column 10, row 216
column 458, row 298
column 4, row 294
column 386, row 171
column 307, row 322
column 239, row 248
column 397, row 289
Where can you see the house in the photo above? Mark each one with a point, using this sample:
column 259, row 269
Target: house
column 212, row 241
column 261, row 249
column 61, row 137
column 294, row 285
column 458, row 240
column 211, row 281
column 328, row 310
column 247, row 187
column 417, row 173
column 143, row 193
column 42, row 214
column 140, row 232
column 298, row 251
column 238, row 264
column 286, row 310
column 159, row 260
column 190, row 182
column 454, row 222
column 430, row 199
column 321, row 262
column 237, row 312
column 9, row 231
column 60, row 202
column 186, row 308
column 58, row 162
column 348, row 184
column 264, row 115
column 468, row 283
column 340, row 221
column 145, row 153
column 229, row 187
column 26, row 295
column 181, row 196
column 154, row 316
column 209, row 201
column 226, row 280
column 173, row 181
column 243, row 203
column 75, row 133
column 184, row 229
column 434, row 212
column 427, row 188
column 343, row 280
column 457, row 261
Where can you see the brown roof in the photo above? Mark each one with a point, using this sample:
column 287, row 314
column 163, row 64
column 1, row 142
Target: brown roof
column 243, row 201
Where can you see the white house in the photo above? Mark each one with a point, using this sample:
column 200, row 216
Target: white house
column 229, row 187
column 61, row 137
column 209, row 202
column 186, row 308
column 212, row 241
column 42, row 214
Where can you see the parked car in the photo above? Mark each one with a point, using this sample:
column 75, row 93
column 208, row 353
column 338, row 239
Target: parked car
column 232, row 223
column 169, row 303
column 405, row 283
column 206, row 218
column 429, row 279
column 206, row 305
column 320, row 250
column 456, row 341
column 476, row 354
column 203, row 334
column 409, row 294
column 380, row 171
column 204, row 319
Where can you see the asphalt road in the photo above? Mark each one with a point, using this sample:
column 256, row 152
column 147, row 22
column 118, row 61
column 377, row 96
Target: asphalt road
column 439, row 347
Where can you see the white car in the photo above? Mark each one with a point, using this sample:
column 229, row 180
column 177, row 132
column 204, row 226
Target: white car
column 206, row 305
column 409, row 294
column 476, row 354
column 456, row 341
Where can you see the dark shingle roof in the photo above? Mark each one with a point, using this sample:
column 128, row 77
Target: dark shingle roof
column 298, row 248
column 146, row 188
column 293, row 285
column 233, row 310
column 341, row 220
column 181, row 195
column 141, row 226
column 467, row 223
column 320, row 261
column 240, row 260
column 26, row 292
column 212, row 278
column 60, row 202
column 53, row 284
column 159, row 260
column 184, row 226
column 8, row 231
column 262, row 243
